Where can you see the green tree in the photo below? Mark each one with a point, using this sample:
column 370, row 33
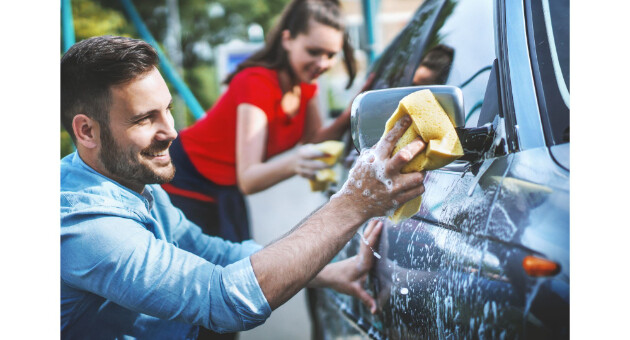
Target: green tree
column 93, row 19
column 212, row 22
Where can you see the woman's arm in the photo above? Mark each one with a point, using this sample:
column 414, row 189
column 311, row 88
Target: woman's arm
column 314, row 132
column 252, row 172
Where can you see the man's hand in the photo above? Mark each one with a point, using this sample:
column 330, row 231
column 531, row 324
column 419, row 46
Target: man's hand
column 375, row 182
column 348, row 276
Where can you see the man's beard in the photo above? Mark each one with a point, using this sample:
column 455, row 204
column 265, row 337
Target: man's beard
column 125, row 165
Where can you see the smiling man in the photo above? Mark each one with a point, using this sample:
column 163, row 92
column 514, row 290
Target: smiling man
column 133, row 148
column 133, row 266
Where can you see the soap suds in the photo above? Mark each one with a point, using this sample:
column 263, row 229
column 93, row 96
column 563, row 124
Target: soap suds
column 377, row 255
column 376, row 170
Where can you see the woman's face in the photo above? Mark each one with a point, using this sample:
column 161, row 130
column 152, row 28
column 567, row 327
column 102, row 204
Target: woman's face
column 312, row 53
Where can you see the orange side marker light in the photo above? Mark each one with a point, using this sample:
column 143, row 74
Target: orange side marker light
column 536, row 266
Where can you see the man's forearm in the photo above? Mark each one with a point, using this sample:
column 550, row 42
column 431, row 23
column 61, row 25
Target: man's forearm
column 286, row 266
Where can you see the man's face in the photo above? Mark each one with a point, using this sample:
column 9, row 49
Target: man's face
column 424, row 76
column 134, row 150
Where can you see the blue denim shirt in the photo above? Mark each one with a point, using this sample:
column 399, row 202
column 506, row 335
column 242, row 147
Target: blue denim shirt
column 133, row 266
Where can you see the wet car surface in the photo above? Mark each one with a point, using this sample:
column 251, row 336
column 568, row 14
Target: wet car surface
column 467, row 265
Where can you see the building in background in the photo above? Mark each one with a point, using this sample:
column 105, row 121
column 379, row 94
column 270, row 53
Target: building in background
column 391, row 17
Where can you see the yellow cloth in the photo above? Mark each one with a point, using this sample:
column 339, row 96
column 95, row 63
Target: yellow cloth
column 435, row 127
column 333, row 150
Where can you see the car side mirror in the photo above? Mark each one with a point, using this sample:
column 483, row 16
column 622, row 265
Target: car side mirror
column 371, row 110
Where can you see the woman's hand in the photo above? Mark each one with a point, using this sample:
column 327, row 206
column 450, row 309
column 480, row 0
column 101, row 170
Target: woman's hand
column 348, row 276
column 305, row 161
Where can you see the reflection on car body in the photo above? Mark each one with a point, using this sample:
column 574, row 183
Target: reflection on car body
column 459, row 269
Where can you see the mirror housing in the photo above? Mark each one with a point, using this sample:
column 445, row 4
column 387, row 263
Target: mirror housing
column 371, row 110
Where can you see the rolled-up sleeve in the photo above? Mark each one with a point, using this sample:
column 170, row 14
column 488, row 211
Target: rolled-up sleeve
column 118, row 259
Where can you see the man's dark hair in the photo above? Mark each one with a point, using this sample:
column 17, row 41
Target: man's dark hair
column 91, row 67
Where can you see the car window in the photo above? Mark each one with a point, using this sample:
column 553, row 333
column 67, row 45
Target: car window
column 549, row 42
column 396, row 66
column 468, row 30
column 447, row 42
column 435, row 66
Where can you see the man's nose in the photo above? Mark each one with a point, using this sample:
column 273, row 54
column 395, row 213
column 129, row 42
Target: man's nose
column 166, row 129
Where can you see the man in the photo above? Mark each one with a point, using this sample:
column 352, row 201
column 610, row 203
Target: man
column 435, row 66
column 132, row 265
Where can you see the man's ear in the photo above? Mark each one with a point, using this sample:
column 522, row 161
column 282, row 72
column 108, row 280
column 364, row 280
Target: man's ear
column 86, row 130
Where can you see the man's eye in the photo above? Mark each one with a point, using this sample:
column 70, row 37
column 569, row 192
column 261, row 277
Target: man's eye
column 313, row 53
column 142, row 120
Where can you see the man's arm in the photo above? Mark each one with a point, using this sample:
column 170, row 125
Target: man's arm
column 120, row 260
column 374, row 187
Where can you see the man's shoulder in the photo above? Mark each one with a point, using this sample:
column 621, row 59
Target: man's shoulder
column 84, row 191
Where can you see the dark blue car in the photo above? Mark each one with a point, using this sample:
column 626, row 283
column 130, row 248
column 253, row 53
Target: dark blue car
column 487, row 255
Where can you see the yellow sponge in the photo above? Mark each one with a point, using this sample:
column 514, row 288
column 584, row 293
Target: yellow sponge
column 333, row 150
column 436, row 129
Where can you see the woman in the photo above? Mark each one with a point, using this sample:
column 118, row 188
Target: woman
column 270, row 106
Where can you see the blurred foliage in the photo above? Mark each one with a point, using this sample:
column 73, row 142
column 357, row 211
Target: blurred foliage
column 92, row 19
column 206, row 22
column 66, row 145
column 204, row 82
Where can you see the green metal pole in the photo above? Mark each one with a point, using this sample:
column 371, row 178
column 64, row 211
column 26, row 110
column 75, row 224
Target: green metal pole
column 67, row 30
column 67, row 25
column 370, row 7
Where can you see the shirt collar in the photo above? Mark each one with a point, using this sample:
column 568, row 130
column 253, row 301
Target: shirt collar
column 147, row 193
